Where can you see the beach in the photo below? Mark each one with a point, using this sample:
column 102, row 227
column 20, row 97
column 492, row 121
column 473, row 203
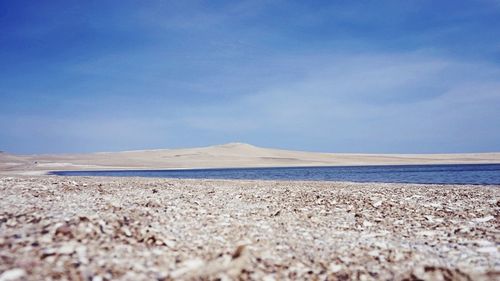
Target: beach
column 230, row 155
column 250, row 140
column 100, row 228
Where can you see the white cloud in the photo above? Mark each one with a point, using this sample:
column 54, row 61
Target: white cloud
column 391, row 99
column 344, row 102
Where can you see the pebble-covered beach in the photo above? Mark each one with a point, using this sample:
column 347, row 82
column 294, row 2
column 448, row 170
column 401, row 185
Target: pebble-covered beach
column 89, row 228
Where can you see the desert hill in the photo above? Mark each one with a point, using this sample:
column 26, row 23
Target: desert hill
column 227, row 155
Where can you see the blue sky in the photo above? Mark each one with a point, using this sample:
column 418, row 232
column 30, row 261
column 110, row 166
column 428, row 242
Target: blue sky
column 338, row 76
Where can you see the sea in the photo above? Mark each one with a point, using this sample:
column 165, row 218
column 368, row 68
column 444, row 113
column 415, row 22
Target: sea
column 484, row 174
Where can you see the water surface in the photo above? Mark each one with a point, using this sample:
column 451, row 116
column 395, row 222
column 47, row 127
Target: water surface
column 436, row 174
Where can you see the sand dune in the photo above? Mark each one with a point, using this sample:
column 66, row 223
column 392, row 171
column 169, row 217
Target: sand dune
column 227, row 155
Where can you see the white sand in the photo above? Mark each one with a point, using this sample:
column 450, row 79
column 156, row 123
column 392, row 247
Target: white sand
column 228, row 155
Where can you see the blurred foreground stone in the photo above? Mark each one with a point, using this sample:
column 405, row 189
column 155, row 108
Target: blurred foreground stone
column 83, row 228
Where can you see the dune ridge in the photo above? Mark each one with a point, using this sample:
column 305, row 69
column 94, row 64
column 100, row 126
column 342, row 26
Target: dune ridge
column 225, row 155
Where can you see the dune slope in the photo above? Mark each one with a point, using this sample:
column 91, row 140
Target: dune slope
column 227, row 155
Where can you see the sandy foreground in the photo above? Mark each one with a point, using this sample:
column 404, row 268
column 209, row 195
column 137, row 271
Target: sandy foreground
column 89, row 228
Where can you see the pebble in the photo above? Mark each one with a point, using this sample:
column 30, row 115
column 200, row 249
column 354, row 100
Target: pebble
column 334, row 268
column 116, row 228
column 489, row 250
column 13, row 274
column 484, row 219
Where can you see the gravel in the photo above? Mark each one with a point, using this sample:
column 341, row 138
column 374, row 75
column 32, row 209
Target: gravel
column 97, row 228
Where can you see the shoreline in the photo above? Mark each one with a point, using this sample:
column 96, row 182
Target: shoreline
column 232, row 155
column 323, row 174
column 165, row 229
column 96, row 172
column 44, row 172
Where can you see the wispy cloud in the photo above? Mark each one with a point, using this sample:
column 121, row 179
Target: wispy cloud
column 391, row 100
column 329, row 76
column 344, row 102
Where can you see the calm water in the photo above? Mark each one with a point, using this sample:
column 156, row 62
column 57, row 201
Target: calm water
column 456, row 174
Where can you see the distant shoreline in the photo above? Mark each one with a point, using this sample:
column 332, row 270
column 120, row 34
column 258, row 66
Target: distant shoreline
column 462, row 174
column 233, row 155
